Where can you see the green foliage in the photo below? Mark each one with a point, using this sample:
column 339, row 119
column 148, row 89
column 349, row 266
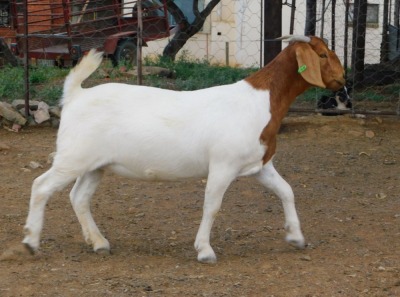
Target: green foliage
column 51, row 94
column 12, row 83
column 45, row 83
column 196, row 74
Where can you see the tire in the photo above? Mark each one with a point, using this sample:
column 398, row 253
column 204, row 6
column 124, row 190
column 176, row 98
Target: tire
column 126, row 53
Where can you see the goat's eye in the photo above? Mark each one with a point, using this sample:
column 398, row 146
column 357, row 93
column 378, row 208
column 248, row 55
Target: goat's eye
column 323, row 56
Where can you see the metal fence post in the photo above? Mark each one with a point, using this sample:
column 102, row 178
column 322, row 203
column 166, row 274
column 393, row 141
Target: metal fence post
column 26, row 58
column 139, row 43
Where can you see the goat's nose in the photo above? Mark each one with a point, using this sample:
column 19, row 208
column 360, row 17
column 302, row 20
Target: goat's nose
column 341, row 81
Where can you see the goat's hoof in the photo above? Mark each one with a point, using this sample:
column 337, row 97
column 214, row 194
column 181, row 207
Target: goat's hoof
column 103, row 252
column 28, row 248
column 296, row 242
column 207, row 258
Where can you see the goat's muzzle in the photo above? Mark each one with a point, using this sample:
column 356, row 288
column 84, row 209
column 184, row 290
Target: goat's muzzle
column 337, row 84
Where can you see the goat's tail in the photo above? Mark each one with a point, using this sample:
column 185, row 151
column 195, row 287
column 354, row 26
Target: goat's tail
column 79, row 73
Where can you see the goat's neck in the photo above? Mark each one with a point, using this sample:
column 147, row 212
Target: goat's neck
column 284, row 83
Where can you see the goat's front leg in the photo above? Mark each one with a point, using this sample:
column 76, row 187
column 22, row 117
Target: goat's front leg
column 271, row 179
column 217, row 183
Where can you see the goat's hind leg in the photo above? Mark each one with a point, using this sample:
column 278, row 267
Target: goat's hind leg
column 42, row 189
column 80, row 196
column 271, row 179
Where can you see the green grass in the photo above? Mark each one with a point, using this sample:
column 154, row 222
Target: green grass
column 45, row 83
column 12, row 83
column 195, row 74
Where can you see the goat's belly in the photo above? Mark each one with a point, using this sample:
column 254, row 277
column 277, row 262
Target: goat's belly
column 157, row 174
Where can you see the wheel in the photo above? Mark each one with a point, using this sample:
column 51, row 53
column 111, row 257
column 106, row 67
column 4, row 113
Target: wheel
column 125, row 54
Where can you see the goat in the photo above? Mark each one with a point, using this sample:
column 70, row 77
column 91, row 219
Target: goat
column 339, row 100
column 221, row 133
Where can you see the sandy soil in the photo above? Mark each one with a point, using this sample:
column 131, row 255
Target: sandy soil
column 346, row 177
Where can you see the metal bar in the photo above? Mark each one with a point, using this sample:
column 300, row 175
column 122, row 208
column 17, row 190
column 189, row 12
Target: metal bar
column 139, row 43
column 338, row 111
column 292, row 16
column 227, row 53
column 26, row 58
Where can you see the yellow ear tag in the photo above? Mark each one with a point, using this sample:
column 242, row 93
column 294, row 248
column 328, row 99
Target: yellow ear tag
column 302, row 68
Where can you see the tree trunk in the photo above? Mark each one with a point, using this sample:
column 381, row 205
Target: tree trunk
column 186, row 29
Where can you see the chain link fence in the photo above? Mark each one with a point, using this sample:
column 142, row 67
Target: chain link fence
column 60, row 31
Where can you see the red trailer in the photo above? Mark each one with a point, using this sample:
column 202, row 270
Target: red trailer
column 62, row 30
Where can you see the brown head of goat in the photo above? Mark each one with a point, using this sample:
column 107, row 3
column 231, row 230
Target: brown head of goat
column 305, row 62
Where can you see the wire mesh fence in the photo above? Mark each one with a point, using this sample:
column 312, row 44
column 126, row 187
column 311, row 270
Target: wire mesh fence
column 365, row 36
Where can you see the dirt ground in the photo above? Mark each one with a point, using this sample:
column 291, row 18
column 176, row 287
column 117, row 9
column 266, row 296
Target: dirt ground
column 346, row 177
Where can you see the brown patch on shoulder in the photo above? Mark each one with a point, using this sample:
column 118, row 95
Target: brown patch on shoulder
column 284, row 83
column 268, row 138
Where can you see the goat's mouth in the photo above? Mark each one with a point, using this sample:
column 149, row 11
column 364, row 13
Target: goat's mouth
column 337, row 84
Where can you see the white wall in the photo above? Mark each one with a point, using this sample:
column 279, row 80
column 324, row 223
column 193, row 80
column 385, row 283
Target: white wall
column 237, row 22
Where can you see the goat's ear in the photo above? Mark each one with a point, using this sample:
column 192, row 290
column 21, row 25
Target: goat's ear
column 308, row 62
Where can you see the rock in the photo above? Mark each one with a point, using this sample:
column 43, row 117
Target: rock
column 305, row 258
column 355, row 133
column 16, row 127
column 7, row 112
column 55, row 111
column 35, row 165
column 4, row 146
column 31, row 122
column 380, row 196
column 55, row 123
column 20, row 104
column 369, row 134
column 42, row 113
column 389, row 162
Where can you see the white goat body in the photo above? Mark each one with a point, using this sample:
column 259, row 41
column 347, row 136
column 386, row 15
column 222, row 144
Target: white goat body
column 155, row 134
column 150, row 133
